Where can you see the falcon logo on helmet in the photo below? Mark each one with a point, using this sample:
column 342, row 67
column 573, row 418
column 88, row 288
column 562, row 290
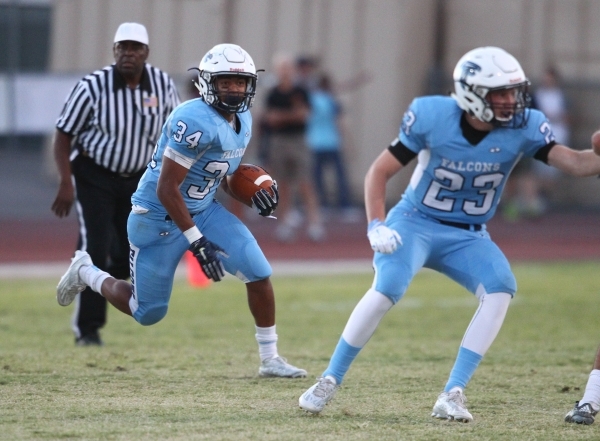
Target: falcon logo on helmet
column 487, row 69
column 227, row 59
column 468, row 69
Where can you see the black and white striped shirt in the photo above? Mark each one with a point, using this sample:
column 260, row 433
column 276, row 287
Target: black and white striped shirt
column 117, row 126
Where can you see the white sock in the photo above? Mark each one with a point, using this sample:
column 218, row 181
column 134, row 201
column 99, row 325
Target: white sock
column 365, row 318
column 93, row 277
column 592, row 390
column 267, row 342
column 486, row 322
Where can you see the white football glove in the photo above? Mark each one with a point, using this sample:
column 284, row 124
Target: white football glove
column 382, row 238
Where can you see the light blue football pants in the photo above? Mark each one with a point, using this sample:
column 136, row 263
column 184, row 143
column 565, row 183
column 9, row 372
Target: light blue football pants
column 157, row 246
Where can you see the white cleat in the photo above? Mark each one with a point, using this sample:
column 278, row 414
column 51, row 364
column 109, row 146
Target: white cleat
column 70, row 283
column 452, row 406
column 318, row 395
column 279, row 367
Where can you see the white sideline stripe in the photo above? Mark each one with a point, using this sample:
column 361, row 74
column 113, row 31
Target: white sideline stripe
column 280, row 268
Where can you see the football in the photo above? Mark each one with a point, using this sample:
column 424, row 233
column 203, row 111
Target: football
column 247, row 180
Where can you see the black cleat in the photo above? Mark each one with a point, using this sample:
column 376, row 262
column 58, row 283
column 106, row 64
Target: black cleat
column 583, row 414
column 89, row 340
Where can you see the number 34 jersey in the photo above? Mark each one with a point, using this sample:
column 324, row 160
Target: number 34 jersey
column 454, row 180
column 198, row 138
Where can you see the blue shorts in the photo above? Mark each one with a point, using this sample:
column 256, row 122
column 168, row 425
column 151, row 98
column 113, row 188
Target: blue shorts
column 470, row 258
column 157, row 246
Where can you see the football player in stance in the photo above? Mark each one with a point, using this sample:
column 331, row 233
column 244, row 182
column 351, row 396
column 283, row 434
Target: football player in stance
column 174, row 209
column 466, row 145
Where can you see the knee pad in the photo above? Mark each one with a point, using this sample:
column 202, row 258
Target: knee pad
column 150, row 316
column 391, row 282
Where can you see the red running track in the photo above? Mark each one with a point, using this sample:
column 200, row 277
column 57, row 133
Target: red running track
column 556, row 236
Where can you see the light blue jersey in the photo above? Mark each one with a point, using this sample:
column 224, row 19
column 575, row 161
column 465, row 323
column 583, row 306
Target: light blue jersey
column 457, row 182
column 199, row 139
column 454, row 180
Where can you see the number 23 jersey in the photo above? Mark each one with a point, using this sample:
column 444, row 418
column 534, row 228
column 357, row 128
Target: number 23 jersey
column 454, row 180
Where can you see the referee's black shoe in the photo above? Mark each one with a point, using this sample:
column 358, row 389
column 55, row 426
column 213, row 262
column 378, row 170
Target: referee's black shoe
column 89, row 340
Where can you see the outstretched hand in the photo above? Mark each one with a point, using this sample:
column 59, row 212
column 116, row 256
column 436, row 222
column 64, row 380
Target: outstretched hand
column 207, row 254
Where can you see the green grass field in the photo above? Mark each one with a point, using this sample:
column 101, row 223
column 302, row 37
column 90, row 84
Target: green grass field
column 194, row 375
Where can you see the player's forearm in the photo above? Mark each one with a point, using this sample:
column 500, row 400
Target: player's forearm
column 177, row 210
column 578, row 163
column 376, row 179
column 375, row 209
column 375, row 196
column 170, row 197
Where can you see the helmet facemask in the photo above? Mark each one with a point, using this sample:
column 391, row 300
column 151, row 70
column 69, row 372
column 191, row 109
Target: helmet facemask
column 513, row 116
column 227, row 60
column 229, row 103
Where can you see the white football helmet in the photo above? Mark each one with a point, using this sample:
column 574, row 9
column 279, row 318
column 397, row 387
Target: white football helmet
column 486, row 69
column 227, row 59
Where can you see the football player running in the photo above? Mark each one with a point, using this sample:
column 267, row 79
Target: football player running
column 466, row 146
column 174, row 209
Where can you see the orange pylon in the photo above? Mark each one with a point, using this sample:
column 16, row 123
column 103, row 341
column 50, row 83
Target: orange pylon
column 195, row 275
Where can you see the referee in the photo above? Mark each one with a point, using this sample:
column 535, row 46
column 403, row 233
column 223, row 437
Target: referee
column 104, row 139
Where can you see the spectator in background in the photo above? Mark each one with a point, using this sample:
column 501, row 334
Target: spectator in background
column 308, row 74
column 104, row 139
column 533, row 180
column 552, row 101
column 324, row 137
column 286, row 113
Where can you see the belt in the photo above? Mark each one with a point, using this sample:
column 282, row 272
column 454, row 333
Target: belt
column 470, row 227
column 168, row 218
column 137, row 174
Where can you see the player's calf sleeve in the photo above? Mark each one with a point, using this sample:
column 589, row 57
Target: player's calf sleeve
column 480, row 334
column 486, row 322
column 366, row 317
column 592, row 390
column 360, row 327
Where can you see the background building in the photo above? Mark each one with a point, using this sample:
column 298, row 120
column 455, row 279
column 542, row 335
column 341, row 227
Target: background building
column 408, row 47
